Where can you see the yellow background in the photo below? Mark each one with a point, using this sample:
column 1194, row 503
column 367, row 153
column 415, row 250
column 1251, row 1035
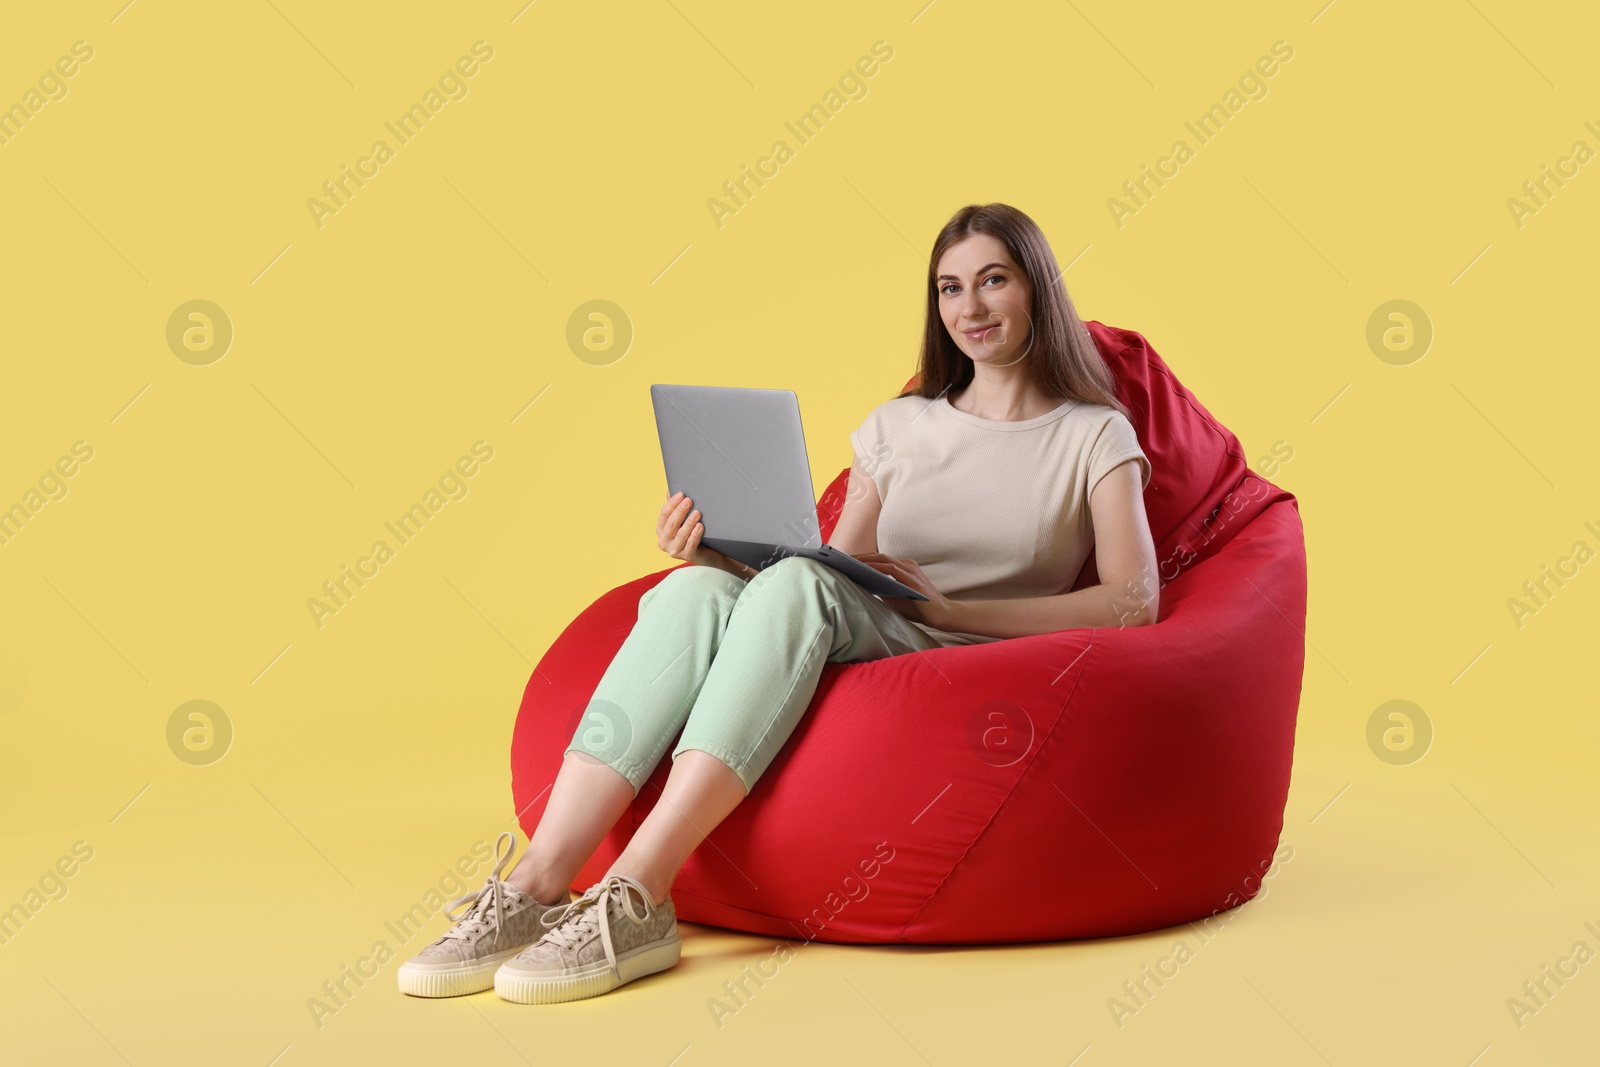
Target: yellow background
column 368, row 354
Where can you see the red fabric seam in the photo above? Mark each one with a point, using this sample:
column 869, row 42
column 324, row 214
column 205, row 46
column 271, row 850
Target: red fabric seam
column 994, row 815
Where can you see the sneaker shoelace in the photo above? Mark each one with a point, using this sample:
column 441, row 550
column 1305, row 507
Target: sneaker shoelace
column 485, row 906
column 570, row 924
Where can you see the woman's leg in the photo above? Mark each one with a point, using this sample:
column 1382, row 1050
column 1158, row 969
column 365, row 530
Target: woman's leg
column 700, row 791
column 641, row 702
column 586, row 801
column 790, row 619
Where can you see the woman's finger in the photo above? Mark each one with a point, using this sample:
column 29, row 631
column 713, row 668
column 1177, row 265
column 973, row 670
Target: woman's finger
column 906, row 574
column 674, row 519
column 671, row 510
column 681, row 540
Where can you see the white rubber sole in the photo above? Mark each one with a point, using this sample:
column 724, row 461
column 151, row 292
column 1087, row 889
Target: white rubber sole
column 452, row 980
column 590, row 980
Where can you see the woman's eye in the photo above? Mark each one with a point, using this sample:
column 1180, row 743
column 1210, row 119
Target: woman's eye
column 947, row 286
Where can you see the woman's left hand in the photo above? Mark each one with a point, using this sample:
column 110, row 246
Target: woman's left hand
column 906, row 571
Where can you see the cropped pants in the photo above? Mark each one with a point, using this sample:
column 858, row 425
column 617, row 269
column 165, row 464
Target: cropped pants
column 733, row 662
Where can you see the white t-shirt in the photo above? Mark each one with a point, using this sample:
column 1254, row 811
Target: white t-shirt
column 991, row 510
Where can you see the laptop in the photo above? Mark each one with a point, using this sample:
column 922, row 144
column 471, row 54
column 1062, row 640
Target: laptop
column 740, row 456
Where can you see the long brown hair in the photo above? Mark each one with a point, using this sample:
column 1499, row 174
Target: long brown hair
column 1062, row 355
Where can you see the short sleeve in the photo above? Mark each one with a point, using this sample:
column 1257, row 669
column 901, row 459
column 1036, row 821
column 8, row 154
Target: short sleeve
column 861, row 439
column 871, row 448
column 1116, row 444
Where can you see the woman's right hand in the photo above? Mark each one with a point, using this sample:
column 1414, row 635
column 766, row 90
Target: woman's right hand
column 678, row 531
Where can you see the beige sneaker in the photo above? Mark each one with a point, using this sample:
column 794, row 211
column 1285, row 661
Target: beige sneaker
column 593, row 945
column 499, row 922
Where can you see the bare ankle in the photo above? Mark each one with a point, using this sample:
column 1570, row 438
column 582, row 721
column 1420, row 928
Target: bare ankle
column 538, row 890
column 525, row 879
column 658, row 892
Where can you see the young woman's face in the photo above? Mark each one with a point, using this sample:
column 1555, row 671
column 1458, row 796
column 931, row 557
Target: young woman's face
column 984, row 299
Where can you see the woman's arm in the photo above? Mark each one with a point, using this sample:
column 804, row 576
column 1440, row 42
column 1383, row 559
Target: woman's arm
column 1125, row 557
column 856, row 531
column 735, row 568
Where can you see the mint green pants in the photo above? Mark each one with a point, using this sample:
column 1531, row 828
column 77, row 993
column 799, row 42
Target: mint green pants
column 733, row 663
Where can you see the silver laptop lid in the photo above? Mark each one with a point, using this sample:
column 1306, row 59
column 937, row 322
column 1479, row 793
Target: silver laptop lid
column 740, row 454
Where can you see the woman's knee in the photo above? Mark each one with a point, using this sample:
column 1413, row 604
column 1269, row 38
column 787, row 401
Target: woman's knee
column 793, row 572
column 697, row 584
column 789, row 584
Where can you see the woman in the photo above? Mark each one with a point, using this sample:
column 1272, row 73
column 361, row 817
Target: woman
column 984, row 488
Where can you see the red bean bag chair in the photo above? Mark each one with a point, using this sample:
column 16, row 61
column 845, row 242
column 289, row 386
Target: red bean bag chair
column 1083, row 783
